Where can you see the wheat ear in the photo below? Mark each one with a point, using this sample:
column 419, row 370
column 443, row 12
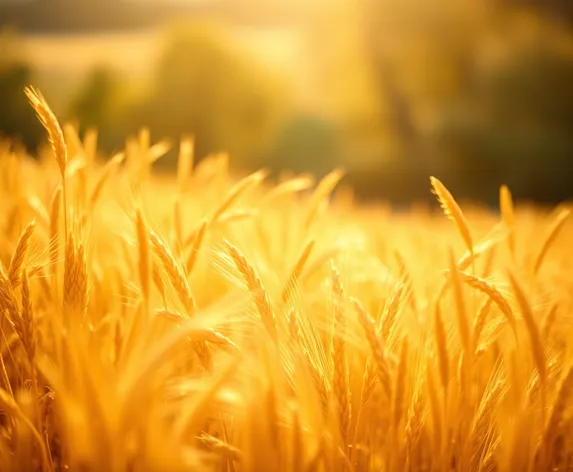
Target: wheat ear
column 452, row 211
column 8, row 302
column 479, row 323
column 375, row 344
column 55, row 207
column 494, row 295
column 236, row 191
column 485, row 246
column 50, row 123
column 290, row 187
column 406, row 277
column 175, row 273
column 180, row 284
column 258, row 293
column 219, row 447
column 391, row 309
column 15, row 268
column 75, row 278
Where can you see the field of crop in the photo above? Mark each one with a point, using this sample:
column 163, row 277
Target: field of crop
column 205, row 323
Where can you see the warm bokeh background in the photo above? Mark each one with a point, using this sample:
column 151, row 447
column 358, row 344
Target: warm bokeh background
column 476, row 92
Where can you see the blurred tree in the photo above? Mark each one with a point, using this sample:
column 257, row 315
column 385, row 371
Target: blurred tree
column 560, row 9
column 17, row 119
column 478, row 92
column 521, row 126
column 339, row 67
column 96, row 102
column 423, row 56
column 206, row 85
column 305, row 144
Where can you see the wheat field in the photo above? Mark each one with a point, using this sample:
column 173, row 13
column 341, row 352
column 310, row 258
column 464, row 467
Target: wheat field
column 206, row 323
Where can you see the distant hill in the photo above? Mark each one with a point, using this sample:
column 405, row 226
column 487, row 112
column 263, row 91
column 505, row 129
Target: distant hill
column 81, row 16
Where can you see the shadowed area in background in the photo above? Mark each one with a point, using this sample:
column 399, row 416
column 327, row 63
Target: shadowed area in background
column 476, row 93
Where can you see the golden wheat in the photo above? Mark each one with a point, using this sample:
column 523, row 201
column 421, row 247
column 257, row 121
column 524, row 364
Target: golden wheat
column 198, row 322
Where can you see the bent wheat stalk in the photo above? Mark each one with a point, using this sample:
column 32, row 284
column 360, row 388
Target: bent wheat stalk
column 452, row 211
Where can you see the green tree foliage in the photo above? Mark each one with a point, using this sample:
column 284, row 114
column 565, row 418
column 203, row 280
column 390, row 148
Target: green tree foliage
column 96, row 102
column 478, row 93
column 17, row 119
column 519, row 130
column 305, row 144
column 207, row 86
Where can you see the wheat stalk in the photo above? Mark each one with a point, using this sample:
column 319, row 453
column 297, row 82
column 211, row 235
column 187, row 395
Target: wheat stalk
column 158, row 280
column 339, row 379
column 407, row 279
column 197, row 240
column 375, row 344
column 27, row 332
column 8, row 301
column 479, row 323
column 508, row 215
column 236, row 191
column 549, row 238
column 185, row 162
column 484, row 247
column 55, row 207
column 400, row 385
column 463, row 325
column 104, row 177
column 144, row 260
column 535, row 338
column 442, row 347
column 391, row 309
column 297, row 271
column 548, row 322
column 532, row 329
column 557, row 413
